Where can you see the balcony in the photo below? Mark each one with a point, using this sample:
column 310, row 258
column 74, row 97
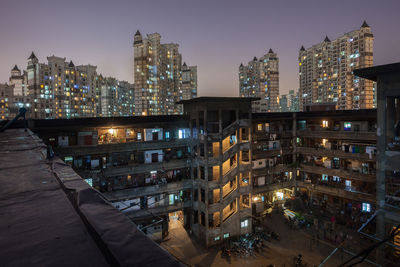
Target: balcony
column 266, row 136
column 159, row 210
column 344, row 135
column 225, row 202
column 331, row 153
column 131, row 193
column 345, row 174
column 273, row 187
column 338, row 192
column 120, row 147
column 138, row 168
column 260, row 154
column 273, row 169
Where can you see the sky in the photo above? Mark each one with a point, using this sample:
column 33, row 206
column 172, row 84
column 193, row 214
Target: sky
column 215, row 35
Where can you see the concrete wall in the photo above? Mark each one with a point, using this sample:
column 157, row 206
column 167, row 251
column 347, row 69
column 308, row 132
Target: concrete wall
column 260, row 163
column 148, row 157
column 148, row 134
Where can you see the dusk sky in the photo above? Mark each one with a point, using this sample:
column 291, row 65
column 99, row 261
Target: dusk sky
column 214, row 35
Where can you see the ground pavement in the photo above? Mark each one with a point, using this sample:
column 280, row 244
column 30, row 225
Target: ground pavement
column 278, row 253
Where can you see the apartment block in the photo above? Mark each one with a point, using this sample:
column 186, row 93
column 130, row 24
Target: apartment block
column 189, row 84
column 158, row 76
column 289, row 102
column 220, row 165
column 117, row 98
column 326, row 71
column 18, row 80
column 387, row 217
column 6, row 95
column 14, row 94
column 59, row 89
column 283, row 102
column 260, row 79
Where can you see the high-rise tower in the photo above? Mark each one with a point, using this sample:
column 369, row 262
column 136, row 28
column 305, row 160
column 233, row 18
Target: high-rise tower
column 260, row 78
column 158, row 76
column 326, row 71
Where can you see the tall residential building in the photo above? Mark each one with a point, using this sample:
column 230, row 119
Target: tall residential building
column 6, row 95
column 189, row 84
column 283, row 102
column 116, row 98
column 59, row 89
column 260, row 78
column 18, row 80
column 326, row 71
column 289, row 102
column 293, row 101
column 158, row 76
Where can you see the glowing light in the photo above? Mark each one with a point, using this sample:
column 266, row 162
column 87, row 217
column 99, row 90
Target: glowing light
column 279, row 195
column 111, row 131
column 324, row 141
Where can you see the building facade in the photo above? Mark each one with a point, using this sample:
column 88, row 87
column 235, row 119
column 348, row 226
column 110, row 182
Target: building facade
column 289, row 102
column 222, row 165
column 18, row 80
column 59, row 89
column 260, row 78
column 117, row 98
column 158, row 76
column 6, row 96
column 189, row 84
column 325, row 71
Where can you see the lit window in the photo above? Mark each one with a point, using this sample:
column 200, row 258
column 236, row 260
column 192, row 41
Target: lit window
column 279, row 195
column 226, row 235
column 347, row 126
column 244, row 223
column 324, row 177
column 325, row 124
column 259, row 127
column 217, row 238
column 366, row 207
column 181, row 134
column 324, row 142
column 89, row 181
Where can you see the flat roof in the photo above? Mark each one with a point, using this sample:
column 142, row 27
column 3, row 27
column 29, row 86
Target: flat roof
column 346, row 114
column 372, row 73
column 100, row 122
column 218, row 99
column 51, row 217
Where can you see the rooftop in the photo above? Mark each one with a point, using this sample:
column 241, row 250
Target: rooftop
column 218, row 99
column 372, row 73
column 52, row 217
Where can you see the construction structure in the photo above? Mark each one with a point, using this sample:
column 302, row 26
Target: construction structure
column 387, row 78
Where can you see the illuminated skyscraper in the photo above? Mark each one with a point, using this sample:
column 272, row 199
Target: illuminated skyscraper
column 260, row 78
column 326, row 71
column 158, row 76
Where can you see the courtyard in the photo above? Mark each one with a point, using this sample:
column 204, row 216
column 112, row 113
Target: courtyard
column 282, row 252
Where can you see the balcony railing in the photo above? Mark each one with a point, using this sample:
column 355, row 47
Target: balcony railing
column 335, row 153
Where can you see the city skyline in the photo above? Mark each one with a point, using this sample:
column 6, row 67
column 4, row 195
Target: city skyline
column 201, row 29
